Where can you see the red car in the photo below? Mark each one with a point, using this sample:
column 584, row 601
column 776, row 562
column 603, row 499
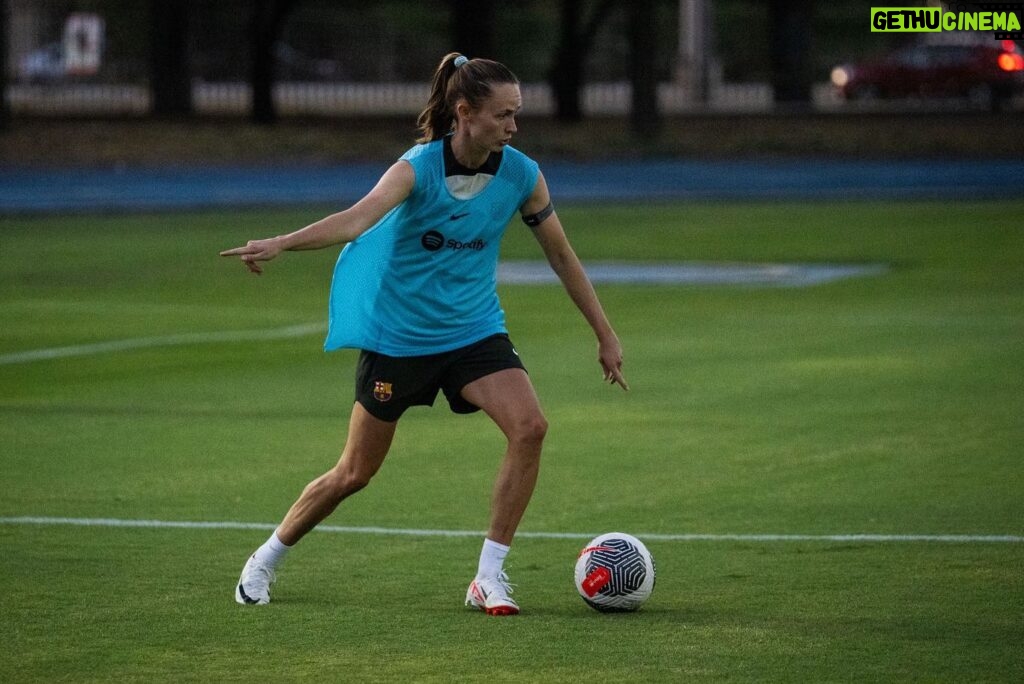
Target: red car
column 986, row 74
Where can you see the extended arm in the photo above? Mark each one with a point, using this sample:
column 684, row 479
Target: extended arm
column 567, row 267
column 344, row 226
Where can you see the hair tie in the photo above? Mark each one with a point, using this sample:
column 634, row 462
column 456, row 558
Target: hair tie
column 460, row 60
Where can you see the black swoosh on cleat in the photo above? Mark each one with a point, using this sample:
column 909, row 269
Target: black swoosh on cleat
column 245, row 597
column 456, row 217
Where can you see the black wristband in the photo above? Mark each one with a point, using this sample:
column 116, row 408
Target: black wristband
column 534, row 220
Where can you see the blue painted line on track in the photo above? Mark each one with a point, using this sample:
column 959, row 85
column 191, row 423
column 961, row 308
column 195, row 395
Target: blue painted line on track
column 144, row 189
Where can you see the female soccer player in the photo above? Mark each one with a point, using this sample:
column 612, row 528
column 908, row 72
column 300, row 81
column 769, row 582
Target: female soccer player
column 415, row 290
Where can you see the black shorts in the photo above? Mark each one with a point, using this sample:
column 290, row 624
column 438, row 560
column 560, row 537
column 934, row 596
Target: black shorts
column 387, row 385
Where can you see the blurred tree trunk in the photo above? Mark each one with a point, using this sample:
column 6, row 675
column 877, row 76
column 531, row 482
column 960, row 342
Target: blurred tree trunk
column 575, row 38
column 695, row 49
column 5, row 112
column 170, row 80
column 645, row 116
column 790, row 44
column 473, row 28
column 267, row 21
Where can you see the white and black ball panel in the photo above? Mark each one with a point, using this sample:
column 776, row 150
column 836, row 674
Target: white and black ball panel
column 615, row 573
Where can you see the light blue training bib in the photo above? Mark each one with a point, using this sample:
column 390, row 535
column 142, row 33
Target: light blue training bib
column 423, row 280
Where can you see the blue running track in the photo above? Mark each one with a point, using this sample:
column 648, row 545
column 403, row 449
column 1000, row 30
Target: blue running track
column 146, row 189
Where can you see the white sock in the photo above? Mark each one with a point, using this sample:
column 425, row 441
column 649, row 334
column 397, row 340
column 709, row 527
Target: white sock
column 492, row 558
column 272, row 552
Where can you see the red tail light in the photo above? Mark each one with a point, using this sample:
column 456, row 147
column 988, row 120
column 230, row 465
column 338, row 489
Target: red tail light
column 1009, row 61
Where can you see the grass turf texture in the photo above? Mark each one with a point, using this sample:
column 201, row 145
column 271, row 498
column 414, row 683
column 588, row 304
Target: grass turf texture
column 881, row 405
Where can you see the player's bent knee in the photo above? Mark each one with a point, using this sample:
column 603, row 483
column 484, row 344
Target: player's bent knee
column 346, row 481
column 530, row 431
column 354, row 481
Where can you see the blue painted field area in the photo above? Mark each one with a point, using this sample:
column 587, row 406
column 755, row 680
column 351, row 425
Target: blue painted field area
column 144, row 189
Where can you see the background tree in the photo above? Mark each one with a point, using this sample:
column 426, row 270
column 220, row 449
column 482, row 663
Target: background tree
column 576, row 32
column 645, row 117
column 473, row 27
column 267, row 21
column 790, row 28
column 4, row 110
column 170, row 79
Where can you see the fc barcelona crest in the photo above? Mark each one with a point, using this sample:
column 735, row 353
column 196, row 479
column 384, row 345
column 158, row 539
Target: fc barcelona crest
column 381, row 390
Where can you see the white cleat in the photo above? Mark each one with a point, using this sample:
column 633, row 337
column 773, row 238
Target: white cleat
column 254, row 585
column 491, row 595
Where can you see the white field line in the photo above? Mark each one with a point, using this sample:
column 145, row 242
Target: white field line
column 50, row 353
column 229, row 525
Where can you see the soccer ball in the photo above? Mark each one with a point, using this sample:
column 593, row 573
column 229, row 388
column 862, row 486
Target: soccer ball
column 615, row 573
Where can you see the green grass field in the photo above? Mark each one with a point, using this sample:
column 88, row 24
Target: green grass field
column 885, row 405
